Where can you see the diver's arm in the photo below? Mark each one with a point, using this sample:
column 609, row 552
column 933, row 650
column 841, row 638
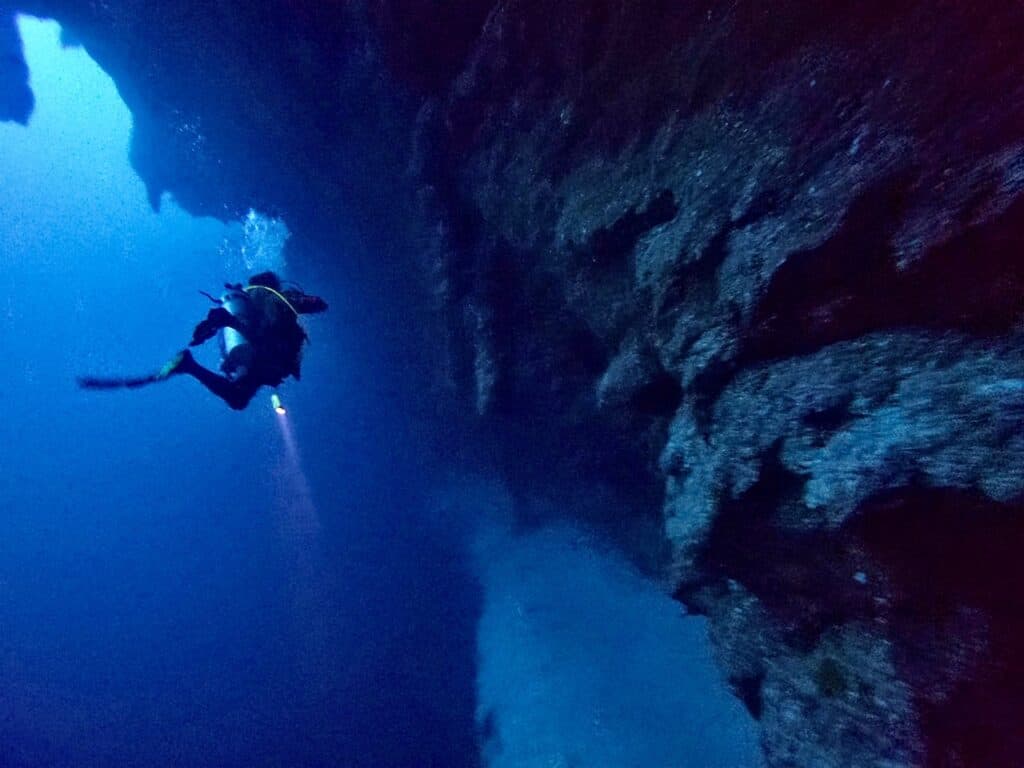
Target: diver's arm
column 216, row 319
column 305, row 304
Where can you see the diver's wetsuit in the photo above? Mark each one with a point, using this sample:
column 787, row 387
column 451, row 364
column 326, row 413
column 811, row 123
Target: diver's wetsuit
column 236, row 394
column 274, row 334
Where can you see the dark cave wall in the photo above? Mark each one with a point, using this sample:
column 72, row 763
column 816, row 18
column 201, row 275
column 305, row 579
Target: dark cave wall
column 275, row 105
column 16, row 99
column 779, row 248
column 742, row 285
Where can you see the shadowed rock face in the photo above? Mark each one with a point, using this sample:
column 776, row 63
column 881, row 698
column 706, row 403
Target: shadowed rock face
column 16, row 100
column 754, row 272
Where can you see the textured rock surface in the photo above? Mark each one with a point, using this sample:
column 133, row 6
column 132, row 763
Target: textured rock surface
column 758, row 265
column 784, row 248
column 887, row 411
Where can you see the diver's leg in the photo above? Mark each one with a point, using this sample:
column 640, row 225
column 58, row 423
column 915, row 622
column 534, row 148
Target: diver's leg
column 245, row 391
column 236, row 394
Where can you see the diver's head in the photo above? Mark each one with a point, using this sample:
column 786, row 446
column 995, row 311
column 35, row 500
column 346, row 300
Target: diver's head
column 267, row 279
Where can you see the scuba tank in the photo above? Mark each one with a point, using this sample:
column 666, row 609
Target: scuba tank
column 236, row 350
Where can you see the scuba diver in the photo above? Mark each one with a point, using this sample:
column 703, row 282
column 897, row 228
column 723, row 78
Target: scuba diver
column 260, row 336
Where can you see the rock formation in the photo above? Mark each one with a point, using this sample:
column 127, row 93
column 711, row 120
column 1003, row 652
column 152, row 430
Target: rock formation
column 741, row 281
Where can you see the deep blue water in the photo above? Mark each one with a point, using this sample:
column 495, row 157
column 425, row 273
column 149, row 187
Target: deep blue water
column 173, row 585
column 181, row 584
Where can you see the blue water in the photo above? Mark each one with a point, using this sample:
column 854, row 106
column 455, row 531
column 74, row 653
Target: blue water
column 182, row 584
column 173, row 585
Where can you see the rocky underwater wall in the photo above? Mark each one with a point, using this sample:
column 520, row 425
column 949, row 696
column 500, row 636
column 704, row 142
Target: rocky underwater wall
column 742, row 281
column 769, row 258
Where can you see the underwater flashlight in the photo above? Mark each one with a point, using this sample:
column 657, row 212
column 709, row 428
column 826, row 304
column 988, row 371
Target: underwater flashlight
column 276, row 402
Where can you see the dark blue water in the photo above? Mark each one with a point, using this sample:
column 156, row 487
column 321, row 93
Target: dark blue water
column 176, row 587
column 182, row 584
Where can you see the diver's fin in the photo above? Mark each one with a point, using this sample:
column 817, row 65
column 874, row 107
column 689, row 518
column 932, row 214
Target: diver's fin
column 99, row 382
column 173, row 366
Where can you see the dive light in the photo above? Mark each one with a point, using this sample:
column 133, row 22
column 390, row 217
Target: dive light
column 276, row 402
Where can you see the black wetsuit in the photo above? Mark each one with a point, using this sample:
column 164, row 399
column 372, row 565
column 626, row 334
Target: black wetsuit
column 272, row 329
